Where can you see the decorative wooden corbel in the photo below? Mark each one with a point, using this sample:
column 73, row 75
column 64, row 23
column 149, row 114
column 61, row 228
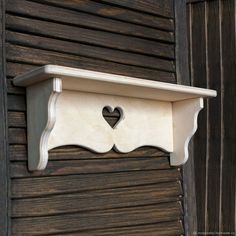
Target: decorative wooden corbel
column 64, row 107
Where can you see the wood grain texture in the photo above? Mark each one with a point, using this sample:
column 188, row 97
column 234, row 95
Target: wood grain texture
column 13, row 69
column 87, row 201
column 214, row 66
column 16, row 103
column 91, row 51
column 159, row 7
column 116, row 12
column 28, row 55
column 97, row 219
column 194, row 1
column 183, row 77
column 181, row 46
column 30, row 9
column 16, row 119
column 92, row 166
column 4, row 163
column 228, row 223
column 160, row 229
column 41, row 186
column 199, row 79
column 214, row 78
column 89, row 36
column 17, row 136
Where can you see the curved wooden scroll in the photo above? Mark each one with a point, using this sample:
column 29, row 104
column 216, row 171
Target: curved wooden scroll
column 41, row 117
column 185, row 114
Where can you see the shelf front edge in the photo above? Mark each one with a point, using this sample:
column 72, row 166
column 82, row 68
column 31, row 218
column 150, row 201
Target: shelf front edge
column 111, row 84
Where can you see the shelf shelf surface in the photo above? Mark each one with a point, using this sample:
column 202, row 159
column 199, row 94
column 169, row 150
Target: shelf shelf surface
column 104, row 83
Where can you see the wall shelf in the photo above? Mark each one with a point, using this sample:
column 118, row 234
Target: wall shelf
column 64, row 107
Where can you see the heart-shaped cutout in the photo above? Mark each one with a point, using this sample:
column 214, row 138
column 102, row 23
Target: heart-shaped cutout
column 113, row 116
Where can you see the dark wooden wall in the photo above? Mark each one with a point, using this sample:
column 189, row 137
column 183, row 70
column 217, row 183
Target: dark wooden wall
column 213, row 57
column 4, row 175
column 82, row 193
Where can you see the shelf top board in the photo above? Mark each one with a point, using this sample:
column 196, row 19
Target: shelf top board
column 111, row 84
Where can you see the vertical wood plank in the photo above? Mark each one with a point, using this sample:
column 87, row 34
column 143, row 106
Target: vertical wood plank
column 199, row 78
column 214, row 118
column 183, row 77
column 229, row 111
column 212, row 45
column 3, row 130
column 181, row 45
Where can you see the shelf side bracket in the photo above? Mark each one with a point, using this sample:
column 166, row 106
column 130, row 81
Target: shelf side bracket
column 41, row 116
column 185, row 114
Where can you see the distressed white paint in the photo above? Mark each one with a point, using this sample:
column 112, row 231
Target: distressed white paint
column 64, row 107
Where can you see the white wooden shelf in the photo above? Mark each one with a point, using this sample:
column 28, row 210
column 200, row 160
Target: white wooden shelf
column 64, row 107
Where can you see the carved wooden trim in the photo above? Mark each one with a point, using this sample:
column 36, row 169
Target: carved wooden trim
column 64, row 107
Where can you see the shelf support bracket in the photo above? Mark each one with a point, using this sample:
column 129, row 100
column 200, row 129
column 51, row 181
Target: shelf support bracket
column 41, row 117
column 185, row 114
